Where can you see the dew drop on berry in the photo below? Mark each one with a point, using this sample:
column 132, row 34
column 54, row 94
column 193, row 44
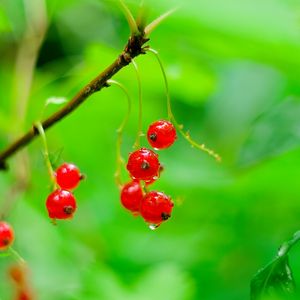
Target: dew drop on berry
column 153, row 226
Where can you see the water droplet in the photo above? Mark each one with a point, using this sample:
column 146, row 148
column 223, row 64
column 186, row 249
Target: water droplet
column 153, row 226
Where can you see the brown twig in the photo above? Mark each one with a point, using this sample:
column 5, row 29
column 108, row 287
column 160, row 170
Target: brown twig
column 133, row 48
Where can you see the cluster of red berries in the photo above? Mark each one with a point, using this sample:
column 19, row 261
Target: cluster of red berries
column 18, row 274
column 61, row 204
column 144, row 166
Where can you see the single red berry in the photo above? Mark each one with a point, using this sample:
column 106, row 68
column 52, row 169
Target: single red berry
column 131, row 196
column 156, row 207
column 68, row 176
column 24, row 295
column 143, row 164
column 17, row 274
column 61, row 204
column 6, row 235
column 161, row 134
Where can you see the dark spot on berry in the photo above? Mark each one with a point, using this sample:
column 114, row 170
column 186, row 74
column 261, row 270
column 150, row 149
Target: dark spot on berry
column 165, row 216
column 145, row 165
column 68, row 210
column 153, row 137
column 5, row 242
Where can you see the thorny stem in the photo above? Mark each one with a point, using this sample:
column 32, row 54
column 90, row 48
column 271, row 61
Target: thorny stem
column 133, row 48
column 140, row 116
column 41, row 131
column 171, row 116
column 120, row 130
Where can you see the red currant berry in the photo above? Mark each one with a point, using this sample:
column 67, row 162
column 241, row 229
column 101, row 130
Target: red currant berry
column 68, row 176
column 24, row 295
column 6, row 235
column 156, row 207
column 131, row 196
column 17, row 274
column 143, row 164
column 61, row 204
column 161, row 134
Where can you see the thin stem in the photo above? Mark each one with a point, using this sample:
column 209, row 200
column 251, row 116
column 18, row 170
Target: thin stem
column 41, row 131
column 16, row 256
column 141, row 19
column 171, row 116
column 26, row 57
column 286, row 246
column 150, row 27
column 140, row 115
column 133, row 48
column 130, row 19
column 120, row 130
column 27, row 51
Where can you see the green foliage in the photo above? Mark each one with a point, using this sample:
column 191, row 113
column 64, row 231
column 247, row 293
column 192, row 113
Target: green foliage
column 276, row 280
column 233, row 69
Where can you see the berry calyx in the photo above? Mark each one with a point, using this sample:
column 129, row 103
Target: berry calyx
column 156, row 207
column 68, row 176
column 6, row 235
column 131, row 196
column 143, row 164
column 161, row 134
column 61, row 204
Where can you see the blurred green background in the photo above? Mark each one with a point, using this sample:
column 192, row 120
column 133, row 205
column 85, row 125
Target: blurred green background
column 233, row 69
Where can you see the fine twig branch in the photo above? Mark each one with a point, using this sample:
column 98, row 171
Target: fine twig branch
column 133, row 48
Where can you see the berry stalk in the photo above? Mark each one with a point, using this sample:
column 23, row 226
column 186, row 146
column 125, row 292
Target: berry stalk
column 171, row 116
column 140, row 116
column 51, row 173
column 120, row 160
column 16, row 256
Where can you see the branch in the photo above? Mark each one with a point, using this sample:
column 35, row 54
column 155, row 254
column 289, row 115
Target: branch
column 133, row 48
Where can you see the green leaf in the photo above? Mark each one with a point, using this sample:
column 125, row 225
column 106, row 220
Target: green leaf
column 273, row 133
column 276, row 279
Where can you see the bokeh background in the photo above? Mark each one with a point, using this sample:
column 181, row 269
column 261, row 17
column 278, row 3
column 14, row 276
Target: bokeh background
column 233, row 69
